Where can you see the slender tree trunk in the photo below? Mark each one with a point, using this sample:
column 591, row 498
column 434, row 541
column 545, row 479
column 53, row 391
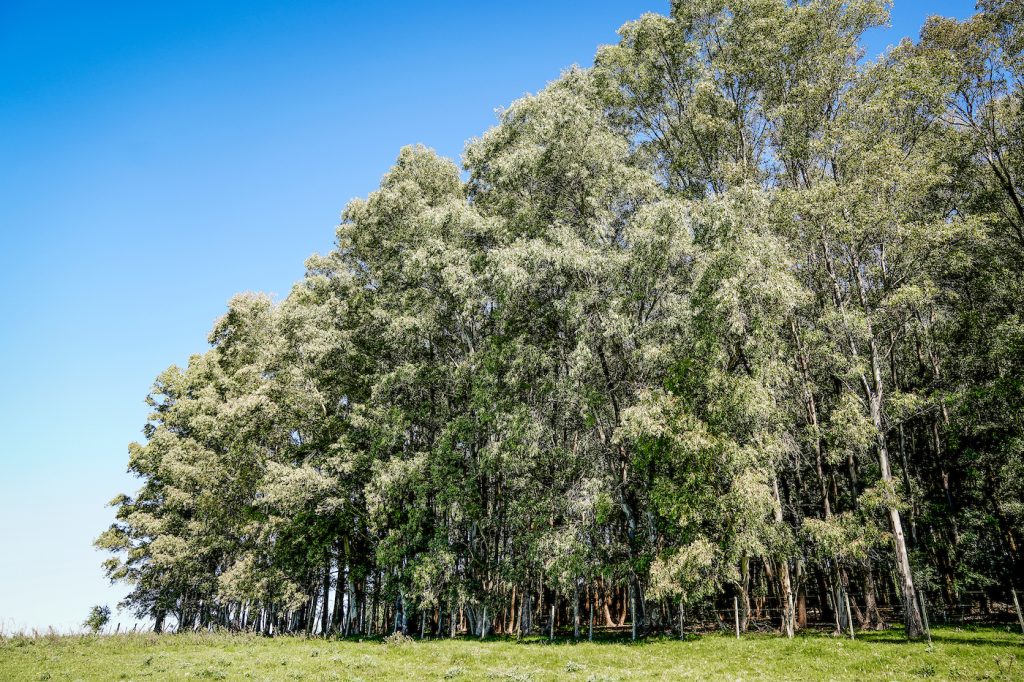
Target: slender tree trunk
column 576, row 610
column 510, row 627
column 632, row 604
column 1016, row 607
column 339, row 592
column 873, row 393
column 325, row 611
column 905, row 466
column 376, row 603
column 744, row 596
column 801, row 607
column 873, row 617
column 591, row 593
column 605, row 605
column 785, row 586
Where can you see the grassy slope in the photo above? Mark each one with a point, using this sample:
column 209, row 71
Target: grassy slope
column 975, row 654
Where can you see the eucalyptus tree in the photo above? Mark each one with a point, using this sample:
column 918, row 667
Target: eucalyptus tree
column 201, row 462
column 416, row 250
column 583, row 318
column 877, row 232
column 979, row 64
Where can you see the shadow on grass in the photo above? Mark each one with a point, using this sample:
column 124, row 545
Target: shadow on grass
column 970, row 636
column 560, row 640
column 975, row 636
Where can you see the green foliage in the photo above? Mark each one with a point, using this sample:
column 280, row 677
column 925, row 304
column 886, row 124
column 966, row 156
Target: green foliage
column 99, row 616
column 734, row 313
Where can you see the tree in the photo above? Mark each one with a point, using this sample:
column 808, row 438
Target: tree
column 99, row 616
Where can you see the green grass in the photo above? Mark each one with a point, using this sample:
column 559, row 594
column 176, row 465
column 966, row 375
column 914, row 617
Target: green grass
column 968, row 654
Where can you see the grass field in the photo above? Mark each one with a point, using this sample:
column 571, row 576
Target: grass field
column 956, row 654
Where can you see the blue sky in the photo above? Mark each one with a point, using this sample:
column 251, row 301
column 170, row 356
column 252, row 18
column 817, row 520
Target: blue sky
column 159, row 157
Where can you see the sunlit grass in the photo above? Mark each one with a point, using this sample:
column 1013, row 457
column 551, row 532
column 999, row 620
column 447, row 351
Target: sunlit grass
column 968, row 654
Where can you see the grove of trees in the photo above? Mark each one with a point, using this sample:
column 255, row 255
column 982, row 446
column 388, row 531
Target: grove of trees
column 732, row 320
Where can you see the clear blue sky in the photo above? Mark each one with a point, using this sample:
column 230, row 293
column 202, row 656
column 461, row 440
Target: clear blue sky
column 158, row 157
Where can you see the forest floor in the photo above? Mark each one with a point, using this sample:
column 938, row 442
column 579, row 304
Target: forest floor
column 972, row 653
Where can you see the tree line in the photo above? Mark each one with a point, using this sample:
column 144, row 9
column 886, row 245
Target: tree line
column 729, row 322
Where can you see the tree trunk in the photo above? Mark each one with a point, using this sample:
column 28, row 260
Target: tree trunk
column 576, row 610
column 872, row 616
column 158, row 621
column 591, row 593
column 325, row 610
column 632, row 605
column 744, row 596
column 873, row 393
column 785, row 586
column 339, row 594
column 608, row 620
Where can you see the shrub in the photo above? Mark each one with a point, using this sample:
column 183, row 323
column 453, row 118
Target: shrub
column 98, row 617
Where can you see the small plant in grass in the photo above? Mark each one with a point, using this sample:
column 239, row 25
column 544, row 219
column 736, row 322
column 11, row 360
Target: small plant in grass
column 398, row 638
column 925, row 671
column 1006, row 663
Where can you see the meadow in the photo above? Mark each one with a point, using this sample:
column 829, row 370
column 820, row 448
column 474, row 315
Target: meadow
column 970, row 653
